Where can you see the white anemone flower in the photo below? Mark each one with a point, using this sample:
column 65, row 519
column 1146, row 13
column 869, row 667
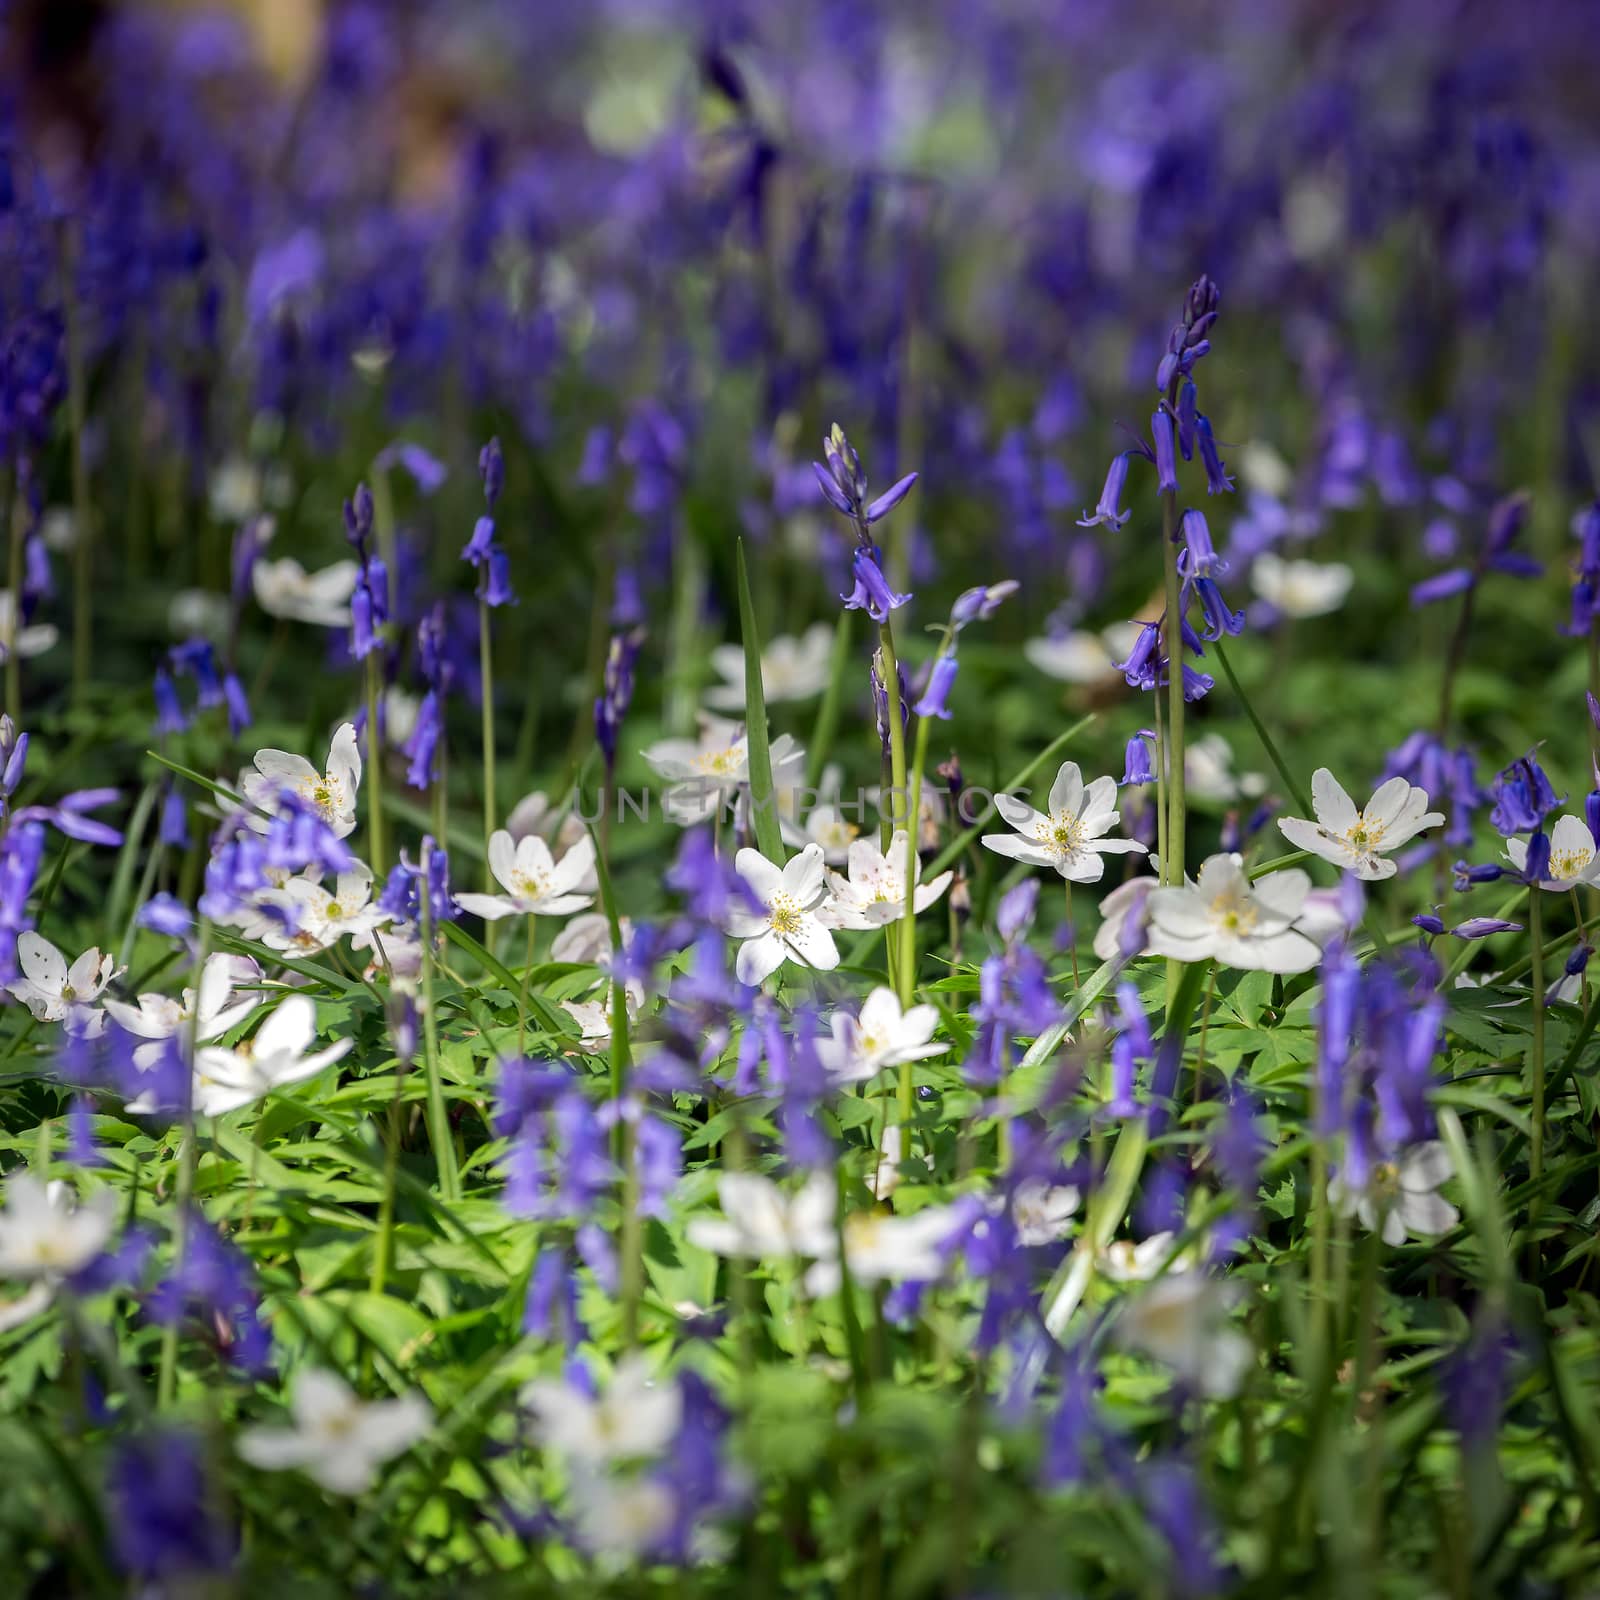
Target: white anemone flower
column 1300, row 589
column 1071, row 837
column 336, row 1439
column 536, row 813
column 1360, row 841
column 634, row 1417
column 882, row 1248
column 203, row 1015
column 1401, row 1197
column 279, row 1054
column 703, row 772
column 1573, row 857
column 535, row 883
column 791, row 669
column 1251, row 926
column 881, row 1036
column 48, row 987
column 1043, row 1212
column 1130, row 1261
column 874, row 892
column 1082, row 656
column 331, row 793
column 623, row 1516
column 45, row 1235
column 1208, row 773
column 1183, row 1322
column 762, row 1221
column 786, row 928
column 23, row 641
column 284, row 589
column 322, row 918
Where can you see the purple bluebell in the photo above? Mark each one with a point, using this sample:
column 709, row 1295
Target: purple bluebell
column 616, row 692
column 163, row 1507
column 1188, row 415
column 1166, row 460
column 1217, row 479
column 1203, row 560
column 1109, row 508
column 1429, row 923
column 170, row 716
column 166, row 914
column 871, row 591
column 1523, row 797
column 426, row 470
column 1484, row 927
column 981, row 603
column 213, row 1283
column 238, row 705
column 941, row 679
column 492, row 471
column 1136, row 767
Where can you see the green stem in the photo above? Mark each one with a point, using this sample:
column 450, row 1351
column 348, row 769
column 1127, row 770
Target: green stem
column 8, row 509
column 188, row 1156
column 890, row 667
column 486, row 668
column 374, row 774
column 1279, row 765
column 1536, row 1071
column 383, row 1248
column 908, row 920
column 444, row 1150
column 1177, row 795
column 82, row 526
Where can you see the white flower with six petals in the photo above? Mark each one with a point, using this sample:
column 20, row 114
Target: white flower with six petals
column 1360, row 841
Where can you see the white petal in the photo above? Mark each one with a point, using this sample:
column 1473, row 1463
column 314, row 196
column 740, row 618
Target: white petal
column 1335, row 810
column 759, row 958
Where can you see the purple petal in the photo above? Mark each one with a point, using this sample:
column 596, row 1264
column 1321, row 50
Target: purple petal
column 887, row 501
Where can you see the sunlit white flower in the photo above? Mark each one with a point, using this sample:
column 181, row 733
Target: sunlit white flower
column 1124, row 1261
column 791, row 669
column 1263, row 470
column 285, row 589
column 634, row 1417
column 786, row 928
column 1401, row 1197
column 593, row 1017
column 337, row 1440
column 535, row 813
column 761, row 1220
column 885, row 1177
column 881, row 1036
column 400, row 708
column 48, row 987
column 331, row 793
column 1252, row 926
column 1208, row 772
column 621, row 1515
column 888, row 1249
column 321, row 919
column 1183, row 1322
column 46, row 1235
column 198, row 611
column 1081, row 656
column 1360, row 841
column 535, row 883
column 277, row 1055
column 204, row 1016
column 1300, row 588
column 235, row 489
column 1071, row 837
column 587, row 938
column 1127, row 901
column 32, row 639
column 703, row 772
column 874, row 892
column 1043, row 1212
column 1573, row 857
column 826, row 823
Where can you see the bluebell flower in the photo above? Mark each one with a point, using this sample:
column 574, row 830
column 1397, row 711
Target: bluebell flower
column 1523, row 797
column 492, row 470
column 1188, row 415
column 164, row 1513
column 1109, row 508
column 1166, row 460
column 871, row 592
column 170, row 715
column 1203, row 560
column 233, row 694
column 940, row 681
column 981, row 603
column 166, row 914
column 1136, row 766
column 1217, row 479
column 213, row 1283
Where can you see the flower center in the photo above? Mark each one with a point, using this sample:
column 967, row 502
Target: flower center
column 1569, row 863
column 1365, row 835
column 1062, row 835
column 1234, row 913
column 720, row 763
column 784, row 914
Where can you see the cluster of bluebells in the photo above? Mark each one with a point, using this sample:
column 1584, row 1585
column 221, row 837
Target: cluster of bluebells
column 251, row 853
column 369, row 603
column 1380, row 1028
column 195, row 659
column 1014, row 997
column 844, row 486
column 483, row 550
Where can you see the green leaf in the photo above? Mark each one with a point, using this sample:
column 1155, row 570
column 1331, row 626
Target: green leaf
column 763, row 804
